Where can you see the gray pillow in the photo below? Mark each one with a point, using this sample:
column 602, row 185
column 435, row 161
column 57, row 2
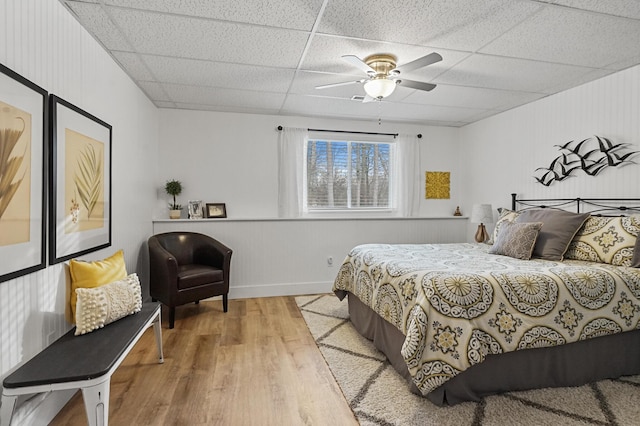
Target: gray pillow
column 516, row 239
column 558, row 229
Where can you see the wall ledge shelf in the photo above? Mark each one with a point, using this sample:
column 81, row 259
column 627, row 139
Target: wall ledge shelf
column 302, row 219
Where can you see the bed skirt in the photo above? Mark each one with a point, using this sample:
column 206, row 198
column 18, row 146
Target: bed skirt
column 573, row 364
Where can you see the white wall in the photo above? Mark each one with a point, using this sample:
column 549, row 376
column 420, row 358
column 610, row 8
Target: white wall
column 43, row 42
column 502, row 152
column 233, row 158
column 288, row 257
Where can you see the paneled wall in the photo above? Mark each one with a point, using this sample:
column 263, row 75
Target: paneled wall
column 41, row 40
column 502, row 152
column 276, row 257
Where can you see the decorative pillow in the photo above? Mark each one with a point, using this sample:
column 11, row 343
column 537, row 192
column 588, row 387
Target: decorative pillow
column 94, row 274
column 516, row 239
column 609, row 240
column 558, row 229
column 99, row 306
column 635, row 262
column 506, row 215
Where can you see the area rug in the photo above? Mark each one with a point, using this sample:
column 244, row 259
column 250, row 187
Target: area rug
column 379, row 396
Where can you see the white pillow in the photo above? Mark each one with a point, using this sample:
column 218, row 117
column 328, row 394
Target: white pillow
column 99, row 306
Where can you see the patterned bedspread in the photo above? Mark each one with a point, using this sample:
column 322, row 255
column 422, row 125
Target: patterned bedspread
column 455, row 303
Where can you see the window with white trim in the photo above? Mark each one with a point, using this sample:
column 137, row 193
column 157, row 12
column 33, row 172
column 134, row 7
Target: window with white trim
column 348, row 175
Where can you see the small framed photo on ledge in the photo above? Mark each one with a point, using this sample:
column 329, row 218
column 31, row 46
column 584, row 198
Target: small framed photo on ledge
column 195, row 209
column 215, row 210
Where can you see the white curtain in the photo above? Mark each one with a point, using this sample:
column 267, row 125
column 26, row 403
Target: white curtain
column 407, row 179
column 291, row 142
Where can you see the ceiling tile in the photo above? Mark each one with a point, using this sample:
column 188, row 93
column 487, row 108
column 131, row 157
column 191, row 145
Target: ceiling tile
column 453, row 24
column 408, row 112
column 579, row 38
column 496, row 72
column 240, row 109
column 154, row 91
column 472, row 97
column 217, row 74
column 182, row 37
column 93, row 17
column 164, row 104
column 296, row 14
column 223, row 97
column 133, row 65
column 628, row 8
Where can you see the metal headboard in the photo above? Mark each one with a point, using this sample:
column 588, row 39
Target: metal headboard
column 595, row 206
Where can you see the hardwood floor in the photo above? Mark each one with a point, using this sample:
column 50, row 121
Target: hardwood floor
column 255, row 365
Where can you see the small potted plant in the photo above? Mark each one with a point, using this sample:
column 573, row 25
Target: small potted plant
column 174, row 187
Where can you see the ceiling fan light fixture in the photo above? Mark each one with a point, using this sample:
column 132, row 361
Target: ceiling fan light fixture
column 379, row 88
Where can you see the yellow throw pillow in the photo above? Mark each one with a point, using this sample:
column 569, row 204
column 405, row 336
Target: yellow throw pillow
column 94, row 274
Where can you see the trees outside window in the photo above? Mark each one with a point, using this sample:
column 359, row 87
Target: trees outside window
column 346, row 175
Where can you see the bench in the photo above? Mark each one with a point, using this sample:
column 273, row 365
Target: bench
column 83, row 362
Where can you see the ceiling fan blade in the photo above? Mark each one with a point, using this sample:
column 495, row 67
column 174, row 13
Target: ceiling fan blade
column 416, row 84
column 358, row 63
column 326, row 86
column 368, row 98
column 431, row 58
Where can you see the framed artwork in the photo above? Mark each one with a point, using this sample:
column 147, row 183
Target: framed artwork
column 437, row 185
column 23, row 123
column 195, row 209
column 215, row 210
column 79, row 183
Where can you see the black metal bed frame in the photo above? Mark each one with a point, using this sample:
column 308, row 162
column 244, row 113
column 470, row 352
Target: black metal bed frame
column 595, row 206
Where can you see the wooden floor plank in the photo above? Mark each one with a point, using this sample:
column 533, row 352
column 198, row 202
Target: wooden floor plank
column 257, row 364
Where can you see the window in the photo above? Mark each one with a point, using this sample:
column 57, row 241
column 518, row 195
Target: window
column 347, row 175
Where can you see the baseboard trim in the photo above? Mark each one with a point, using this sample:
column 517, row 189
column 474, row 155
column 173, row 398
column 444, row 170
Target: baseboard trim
column 283, row 289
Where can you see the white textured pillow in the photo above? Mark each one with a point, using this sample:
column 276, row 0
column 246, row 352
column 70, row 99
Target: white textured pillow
column 506, row 215
column 96, row 307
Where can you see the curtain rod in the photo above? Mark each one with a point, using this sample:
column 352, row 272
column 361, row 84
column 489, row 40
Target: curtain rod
column 352, row 132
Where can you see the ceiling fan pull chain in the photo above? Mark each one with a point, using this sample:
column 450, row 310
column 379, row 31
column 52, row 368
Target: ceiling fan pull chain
column 379, row 112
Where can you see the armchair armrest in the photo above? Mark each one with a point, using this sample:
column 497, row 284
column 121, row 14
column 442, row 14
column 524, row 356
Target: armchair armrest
column 163, row 270
column 213, row 253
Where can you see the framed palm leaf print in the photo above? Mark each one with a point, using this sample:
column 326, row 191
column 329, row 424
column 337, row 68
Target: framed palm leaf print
column 80, row 182
column 23, row 121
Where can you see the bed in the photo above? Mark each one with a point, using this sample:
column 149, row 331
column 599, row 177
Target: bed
column 464, row 321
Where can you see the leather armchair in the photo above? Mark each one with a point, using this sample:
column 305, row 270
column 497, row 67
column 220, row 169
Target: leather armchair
column 188, row 267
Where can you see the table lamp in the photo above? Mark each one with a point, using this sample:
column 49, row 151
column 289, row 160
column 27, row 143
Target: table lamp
column 481, row 213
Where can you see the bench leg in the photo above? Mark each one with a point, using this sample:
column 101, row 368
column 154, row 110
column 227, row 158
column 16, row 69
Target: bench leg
column 157, row 328
column 6, row 411
column 96, row 403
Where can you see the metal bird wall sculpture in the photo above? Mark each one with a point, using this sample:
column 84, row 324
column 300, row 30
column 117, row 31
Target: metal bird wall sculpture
column 586, row 156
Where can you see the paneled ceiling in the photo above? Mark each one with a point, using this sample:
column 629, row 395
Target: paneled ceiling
column 267, row 56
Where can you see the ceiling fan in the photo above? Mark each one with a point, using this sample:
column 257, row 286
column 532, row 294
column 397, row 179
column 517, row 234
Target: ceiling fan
column 383, row 75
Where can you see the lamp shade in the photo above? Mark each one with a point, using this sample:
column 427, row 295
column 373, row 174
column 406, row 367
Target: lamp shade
column 379, row 88
column 481, row 213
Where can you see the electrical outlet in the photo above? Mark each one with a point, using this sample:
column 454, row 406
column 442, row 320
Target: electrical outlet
column 330, row 261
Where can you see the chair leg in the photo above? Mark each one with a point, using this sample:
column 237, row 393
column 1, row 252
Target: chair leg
column 225, row 302
column 172, row 316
